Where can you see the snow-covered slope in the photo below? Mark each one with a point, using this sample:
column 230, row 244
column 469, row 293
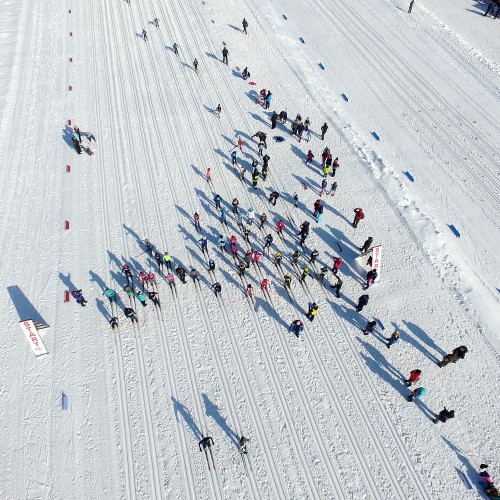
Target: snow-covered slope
column 326, row 413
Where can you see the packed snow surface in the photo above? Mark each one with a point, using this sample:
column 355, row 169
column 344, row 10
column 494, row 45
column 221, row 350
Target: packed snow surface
column 412, row 103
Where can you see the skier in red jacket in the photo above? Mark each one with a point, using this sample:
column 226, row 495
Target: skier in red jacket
column 414, row 377
column 359, row 215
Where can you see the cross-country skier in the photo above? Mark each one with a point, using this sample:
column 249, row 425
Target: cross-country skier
column 305, row 273
column 268, row 100
column 359, row 215
column 204, row 244
column 114, row 323
column 273, row 197
column 127, row 272
column 77, row 295
column 369, row 327
column 392, row 339
column 265, row 171
column 225, row 53
column 157, row 22
column 337, row 287
column 324, row 184
column 366, row 245
column 110, row 294
column 145, row 35
column 170, row 280
column 211, row 265
column 265, row 285
column 287, row 281
column 234, row 158
column 313, row 256
column 255, row 179
column 241, row 143
column 333, row 189
column 245, row 26
column 263, row 219
column 371, row 276
column 76, row 144
column 176, row 49
column 444, row 415
column 218, row 110
column 414, row 377
column 268, row 241
column 322, row 273
column 130, row 313
column 168, row 261
column 242, row 268
column 278, row 256
column 249, row 290
column 362, row 302
column 206, row 442
column 222, row 243
column 128, row 290
column 248, row 258
column 158, row 259
column 208, row 175
column 195, row 65
column 141, row 297
column 246, row 234
column 217, row 200
column 297, row 327
column 181, row 272
column 143, row 278
column 250, row 216
column 194, row 275
column 234, row 250
column 324, row 128
column 280, row 226
column 196, row 218
column 411, row 6
column 153, row 297
column 418, row 393
column 256, row 257
column 295, row 200
column 335, row 166
column 216, row 288
column 295, row 257
column 337, row 264
column 313, row 310
column 243, row 444
column 223, row 215
column 317, row 206
column 245, row 74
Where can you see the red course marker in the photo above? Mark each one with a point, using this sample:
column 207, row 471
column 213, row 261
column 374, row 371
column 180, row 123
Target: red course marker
column 70, row 59
column 66, row 296
column 68, row 168
column 70, row 87
column 66, row 226
column 252, row 83
column 69, row 122
column 70, row 34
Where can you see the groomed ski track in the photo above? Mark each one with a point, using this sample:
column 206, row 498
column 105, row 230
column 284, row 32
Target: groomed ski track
column 325, row 413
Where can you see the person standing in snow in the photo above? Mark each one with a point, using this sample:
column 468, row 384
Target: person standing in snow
column 337, row 264
column 234, row 157
column 418, row 393
column 337, row 287
column 297, row 327
column 144, row 35
column 268, row 100
column 414, row 377
column 153, row 297
column 324, row 128
column 268, row 241
column 358, row 215
column 371, row 276
column 366, row 245
column 141, row 297
column 216, row 287
column 444, row 415
column 369, row 327
column 362, row 302
column 195, row 65
column 114, row 323
column 313, row 256
column 273, row 197
column 274, row 119
column 110, row 294
column 225, row 53
column 218, row 110
column 245, row 26
column 243, row 444
column 392, row 339
column 77, row 295
column 245, row 74
column 313, row 310
column 217, row 200
column 458, row 353
column 157, row 22
column 411, row 6
column 176, row 49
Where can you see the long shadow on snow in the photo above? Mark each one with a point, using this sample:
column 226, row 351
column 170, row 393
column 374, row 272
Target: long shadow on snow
column 25, row 309
column 423, row 336
column 132, row 233
column 66, row 135
column 258, row 118
column 472, row 474
column 212, row 410
column 415, row 343
column 180, row 409
column 213, row 56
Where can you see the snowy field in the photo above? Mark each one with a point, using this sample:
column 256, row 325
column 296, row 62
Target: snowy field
column 413, row 104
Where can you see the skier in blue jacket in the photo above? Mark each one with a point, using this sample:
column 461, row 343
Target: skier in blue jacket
column 268, row 99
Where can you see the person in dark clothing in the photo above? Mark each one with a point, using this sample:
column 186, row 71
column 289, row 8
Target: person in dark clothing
column 296, row 327
column 217, row 200
column 153, row 297
column 366, row 245
column 76, row 144
column 206, row 442
column 458, row 353
column 273, row 197
column 130, row 313
column 324, row 128
column 246, row 74
column 77, row 295
column 358, row 215
column 369, row 327
column 411, row 6
column 313, row 256
column 269, row 241
column 444, row 415
column 216, row 288
column 114, row 323
column 337, row 287
column 362, row 302
column 181, row 272
column 244, row 23
column 274, row 118
column 283, row 116
column 313, row 310
column 225, row 53
column 195, row 65
column 371, row 276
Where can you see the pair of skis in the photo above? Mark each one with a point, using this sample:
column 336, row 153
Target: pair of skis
column 209, row 459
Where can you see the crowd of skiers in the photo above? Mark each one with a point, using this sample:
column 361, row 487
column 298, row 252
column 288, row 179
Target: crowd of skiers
column 142, row 286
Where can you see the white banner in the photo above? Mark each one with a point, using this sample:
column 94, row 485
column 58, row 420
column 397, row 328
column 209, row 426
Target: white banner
column 377, row 260
column 33, row 337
